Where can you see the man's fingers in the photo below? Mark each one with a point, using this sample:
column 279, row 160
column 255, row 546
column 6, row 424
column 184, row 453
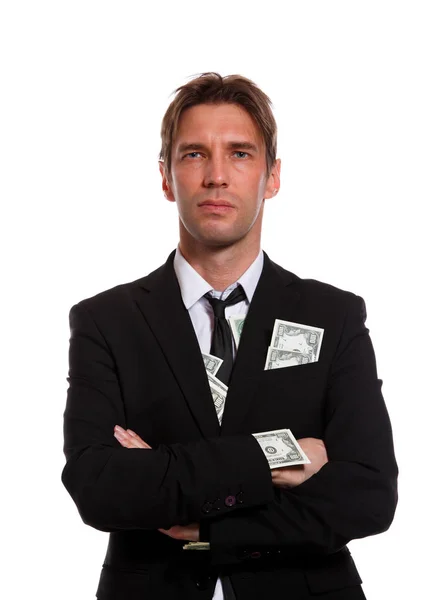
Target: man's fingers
column 127, row 440
column 288, row 477
column 183, row 532
column 137, row 437
column 315, row 447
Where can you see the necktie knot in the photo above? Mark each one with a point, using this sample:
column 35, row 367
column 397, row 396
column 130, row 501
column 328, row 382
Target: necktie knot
column 219, row 306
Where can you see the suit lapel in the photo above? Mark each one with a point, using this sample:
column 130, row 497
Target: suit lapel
column 159, row 299
column 274, row 298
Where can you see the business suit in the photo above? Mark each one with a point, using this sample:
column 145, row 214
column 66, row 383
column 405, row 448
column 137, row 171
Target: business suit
column 135, row 361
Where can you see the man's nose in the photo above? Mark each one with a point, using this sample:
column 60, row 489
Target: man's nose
column 216, row 172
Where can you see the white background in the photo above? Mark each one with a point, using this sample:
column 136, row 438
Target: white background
column 84, row 88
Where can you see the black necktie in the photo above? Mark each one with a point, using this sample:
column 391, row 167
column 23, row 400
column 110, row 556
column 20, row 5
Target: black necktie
column 222, row 339
column 222, row 346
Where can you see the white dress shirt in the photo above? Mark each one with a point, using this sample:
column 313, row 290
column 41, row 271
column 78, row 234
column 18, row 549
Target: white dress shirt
column 193, row 288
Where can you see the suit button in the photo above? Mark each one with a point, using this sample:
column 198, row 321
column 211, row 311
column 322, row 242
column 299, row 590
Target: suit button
column 255, row 555
column 207, row 507
column 240, row 497
column 230, row 500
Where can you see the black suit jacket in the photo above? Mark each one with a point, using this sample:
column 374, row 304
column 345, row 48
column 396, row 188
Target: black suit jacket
column 135, row 361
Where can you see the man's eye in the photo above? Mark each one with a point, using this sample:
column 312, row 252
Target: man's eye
column 241, row 152
column 191, row 154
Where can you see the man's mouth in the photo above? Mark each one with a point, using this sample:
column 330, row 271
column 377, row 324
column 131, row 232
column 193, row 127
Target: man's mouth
column 219, row 205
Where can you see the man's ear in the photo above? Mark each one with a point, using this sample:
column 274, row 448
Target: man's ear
column 166, row 187
column 273, row 183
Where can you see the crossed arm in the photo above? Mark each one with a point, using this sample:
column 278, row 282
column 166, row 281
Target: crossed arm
column 284, row 477
column 352, row 495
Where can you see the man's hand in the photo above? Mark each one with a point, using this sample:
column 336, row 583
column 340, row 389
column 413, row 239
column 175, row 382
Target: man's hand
column 288, row 477
column 129, row 439
column 183, row 532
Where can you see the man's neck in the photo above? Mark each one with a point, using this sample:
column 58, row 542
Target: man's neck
column 220, row 267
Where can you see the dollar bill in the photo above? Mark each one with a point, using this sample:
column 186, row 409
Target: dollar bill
column 281, row 448
column 212, row 363
column 278, row 359
column 236, row 323
column 197, row 546
column 219, row 395
column 296, row 337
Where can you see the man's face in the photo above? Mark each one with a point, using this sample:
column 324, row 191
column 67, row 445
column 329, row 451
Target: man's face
column 218, row 175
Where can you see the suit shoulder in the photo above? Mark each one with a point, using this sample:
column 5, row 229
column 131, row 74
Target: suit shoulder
column 322, row 288
column 318, row 289
column 116, row 295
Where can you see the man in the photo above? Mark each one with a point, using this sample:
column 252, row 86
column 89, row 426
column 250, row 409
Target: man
column 138, row 382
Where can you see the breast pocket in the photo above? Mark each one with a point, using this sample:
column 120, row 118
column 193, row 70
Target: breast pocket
column 294, row 377
column 292, row 398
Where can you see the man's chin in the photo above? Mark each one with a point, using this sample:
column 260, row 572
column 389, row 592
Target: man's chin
column 215, row 237
column 219, row 240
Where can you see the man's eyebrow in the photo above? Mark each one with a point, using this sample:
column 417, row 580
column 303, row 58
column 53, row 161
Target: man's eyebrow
column 184, row 147
column 239, row 145
column 243, row 145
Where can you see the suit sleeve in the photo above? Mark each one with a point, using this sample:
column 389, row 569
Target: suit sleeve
column 117, row 488
column 354, row 495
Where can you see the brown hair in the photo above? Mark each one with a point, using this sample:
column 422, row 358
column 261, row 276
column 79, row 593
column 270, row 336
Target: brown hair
column 212, row 88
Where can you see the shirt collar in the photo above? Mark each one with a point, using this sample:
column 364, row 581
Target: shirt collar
column 193, row 286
